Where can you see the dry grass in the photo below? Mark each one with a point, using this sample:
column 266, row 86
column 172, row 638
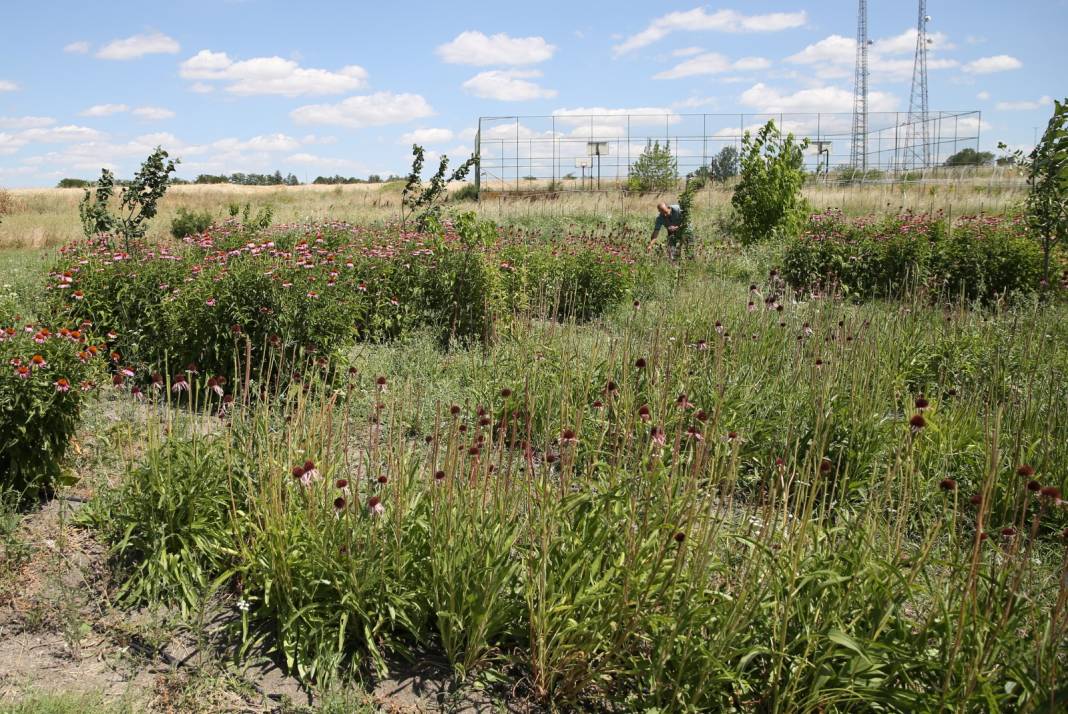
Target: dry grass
column 41, row 218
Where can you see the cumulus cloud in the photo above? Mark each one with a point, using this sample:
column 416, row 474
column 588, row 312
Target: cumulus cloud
column 834, row 56
column 763, row 98
column 268, row 75
column 153, row 113
column 983, row 96
column 59, row 134
column 636, row 115
column 475, row 48
column 103, row 110
column 427, row 136
column 79, row 48
column 1024, row 106
column 712, row 63
column 507, row 85
column 150, row 43
column 720, row 21
column 25, row 122
column 265, row 143
column 376, row 109
column 989, row 65
column 7, row 86
column 686, row 52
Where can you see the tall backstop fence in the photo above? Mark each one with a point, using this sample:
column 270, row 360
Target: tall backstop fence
column 575, row 150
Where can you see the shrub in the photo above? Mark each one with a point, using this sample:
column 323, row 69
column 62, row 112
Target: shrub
column 44, row 377
column 977, row 258
column 467, row 192
column 188, row 223
column 137, row 201
column 767, row 201
column 654, row 170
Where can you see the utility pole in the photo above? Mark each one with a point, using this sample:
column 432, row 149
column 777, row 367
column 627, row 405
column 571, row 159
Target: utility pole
column 918, row 137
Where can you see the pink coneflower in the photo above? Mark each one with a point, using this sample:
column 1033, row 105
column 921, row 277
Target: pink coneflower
column 598, row 404
column 210, row 302
column 947, row 484
column 62, row 384
column 683, row 403
column 383, row 479
column 1025, row 471
column 567, row 436
column 117, row 379
column 505, row 393
column 38, row 362
column 1050, row 492
column 85, row 385
column 826, row 466
column 976, row 499
column 917, row 422
column 157, row 381
column 1034, row 486
column 643, row 412
column 439, row 476
column 310, row 472
column 694, row 434
column 640, row 363
column 922, row 403
column 78, row 295
column 680, row 537
column 180, row 384
column 380, row 382
column 375, row 507
column 213, row 385
column 1008, row 532
column 297, row 472
column 454, row 410
column 137, row 394
column 657, row 435
column 339, row 504
column 127, row 371
column 342, row 484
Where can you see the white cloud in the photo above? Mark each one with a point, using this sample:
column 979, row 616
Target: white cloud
column 507, row 85
column 1024, row 106
column 687, row 52
column 427, row 136
column 763, row 98
column 376, row 109
column 201, row 88
column 701, row 19
column 103, row 110
column 79, row 48
column 153, row 113
column 323, row 161
column 712, row 63
column 983, row 96
column 268, row 75
column 989, row 65
column 263, row 143
column 25, row 122
column 834, row 57
column 7, row 86
column 150, row 43
column 474, row 48
column 620, row 117
column 60, row 134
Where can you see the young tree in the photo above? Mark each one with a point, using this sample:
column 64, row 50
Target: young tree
column 724, row 165
column 970, row 157
column 767, row 201
column 422, row 201
column 655, row 169
column 1047, row 184
column 137, row 202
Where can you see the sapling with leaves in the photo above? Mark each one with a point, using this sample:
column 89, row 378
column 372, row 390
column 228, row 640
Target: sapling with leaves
column 1047, row 184
column 421, row 201
column 137, row 203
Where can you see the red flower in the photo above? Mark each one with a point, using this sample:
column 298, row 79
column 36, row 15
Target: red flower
column 948, row 484
column 1025, row 471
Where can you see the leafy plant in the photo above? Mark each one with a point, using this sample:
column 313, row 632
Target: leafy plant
column 722, row 166
column 137, row 201
column 420, row 201
column 187, row 222
column 767, row 201
column 655, row 169
column 44, row 380
column 1047, row 180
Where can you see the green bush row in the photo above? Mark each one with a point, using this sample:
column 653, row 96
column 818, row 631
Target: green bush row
column 978, row 258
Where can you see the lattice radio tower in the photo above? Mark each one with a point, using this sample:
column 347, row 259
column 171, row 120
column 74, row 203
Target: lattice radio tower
column 858, row 156
column 918, row 138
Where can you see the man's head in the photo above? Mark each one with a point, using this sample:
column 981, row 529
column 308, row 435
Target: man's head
column 662, row 209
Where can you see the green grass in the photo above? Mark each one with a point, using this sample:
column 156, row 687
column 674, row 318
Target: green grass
column 64, row 704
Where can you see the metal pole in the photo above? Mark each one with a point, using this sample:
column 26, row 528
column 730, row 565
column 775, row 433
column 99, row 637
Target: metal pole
column 517, row 153
column 478, row 161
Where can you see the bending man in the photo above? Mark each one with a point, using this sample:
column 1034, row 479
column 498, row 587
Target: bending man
column 671, row 218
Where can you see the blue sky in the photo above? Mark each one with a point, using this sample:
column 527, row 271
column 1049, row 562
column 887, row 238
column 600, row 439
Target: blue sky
column 344, row 87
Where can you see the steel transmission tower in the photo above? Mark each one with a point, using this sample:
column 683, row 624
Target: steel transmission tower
column 918, row 138
column 858, row 156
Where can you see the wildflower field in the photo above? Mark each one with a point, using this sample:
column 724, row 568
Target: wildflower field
column 822, row 474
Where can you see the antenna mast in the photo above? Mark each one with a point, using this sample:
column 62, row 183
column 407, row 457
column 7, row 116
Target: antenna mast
column 859, row 153
column 918, row 139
